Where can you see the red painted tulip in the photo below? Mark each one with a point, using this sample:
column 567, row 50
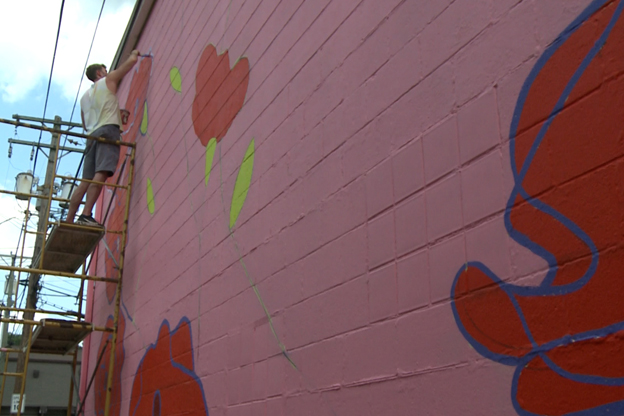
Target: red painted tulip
column 219, row 94
column 165, row 383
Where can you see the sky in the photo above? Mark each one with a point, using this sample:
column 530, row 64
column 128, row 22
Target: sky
column 28, row 31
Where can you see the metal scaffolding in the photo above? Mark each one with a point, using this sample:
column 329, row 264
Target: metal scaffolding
column 62, row 250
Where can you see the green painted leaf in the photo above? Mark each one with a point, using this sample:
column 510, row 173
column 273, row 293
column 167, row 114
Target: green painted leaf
column 176, row 79
column 144, row 121
column 150, row 197
column 243, row 180
column 210, row 151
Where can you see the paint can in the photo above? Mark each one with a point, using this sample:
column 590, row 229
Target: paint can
column 125, row 115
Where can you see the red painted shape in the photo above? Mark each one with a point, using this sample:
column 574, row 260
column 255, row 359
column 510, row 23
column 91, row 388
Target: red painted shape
column 475, row 297
column 101, row 376
column 165, row 382
column 220, row 93
column 113, row 241
column 137, row 96
column 576, row 171
column 135, row 102
column 545, row 392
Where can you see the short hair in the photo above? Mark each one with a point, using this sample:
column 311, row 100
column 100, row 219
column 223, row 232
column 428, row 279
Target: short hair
column 93, row 69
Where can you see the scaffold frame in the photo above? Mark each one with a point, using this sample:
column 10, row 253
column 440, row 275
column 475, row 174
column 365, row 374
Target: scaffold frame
column 36, row 268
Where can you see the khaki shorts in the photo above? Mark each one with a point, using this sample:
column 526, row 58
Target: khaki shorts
column 102, row 157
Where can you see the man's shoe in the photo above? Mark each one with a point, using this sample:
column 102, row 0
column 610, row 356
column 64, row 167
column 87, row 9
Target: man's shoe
column 87, row 220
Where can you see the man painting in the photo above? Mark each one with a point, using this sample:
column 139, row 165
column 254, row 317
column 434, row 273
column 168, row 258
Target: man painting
column 100, row 118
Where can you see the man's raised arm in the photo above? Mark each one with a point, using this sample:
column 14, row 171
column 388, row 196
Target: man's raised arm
column 114, row 77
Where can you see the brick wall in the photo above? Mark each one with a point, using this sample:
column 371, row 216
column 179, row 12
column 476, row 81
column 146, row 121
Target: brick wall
column 381, row 145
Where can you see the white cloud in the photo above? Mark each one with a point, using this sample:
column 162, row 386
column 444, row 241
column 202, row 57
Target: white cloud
column 27, row 35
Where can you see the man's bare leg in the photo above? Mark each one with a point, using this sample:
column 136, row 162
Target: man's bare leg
column 93, row 192
column 75, row 200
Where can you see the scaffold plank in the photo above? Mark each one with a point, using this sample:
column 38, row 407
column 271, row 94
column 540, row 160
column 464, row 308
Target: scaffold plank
column 68, row 246
column 58, row 336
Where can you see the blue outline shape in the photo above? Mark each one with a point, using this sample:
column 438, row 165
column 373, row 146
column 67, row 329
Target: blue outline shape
column 190, row 373
column 125, row 309
column 546, row 288
column 156, row 396
column 609, row 409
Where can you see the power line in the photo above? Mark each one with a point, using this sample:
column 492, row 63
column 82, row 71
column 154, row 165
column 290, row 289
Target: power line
column 56, row 306
column 71, row 117
column 58, row 292
column 58, row 281
column 9, row 219
column 45, row 106
column 48, row 295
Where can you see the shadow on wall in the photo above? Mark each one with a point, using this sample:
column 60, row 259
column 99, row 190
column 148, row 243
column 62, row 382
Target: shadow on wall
column 565, row 336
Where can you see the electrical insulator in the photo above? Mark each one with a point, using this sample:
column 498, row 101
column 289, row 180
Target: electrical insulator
column 10, row 150
column 32, row 153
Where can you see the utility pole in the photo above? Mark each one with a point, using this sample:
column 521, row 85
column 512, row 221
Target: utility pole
column 10, row 283
column 34, row 278
column 6, row 312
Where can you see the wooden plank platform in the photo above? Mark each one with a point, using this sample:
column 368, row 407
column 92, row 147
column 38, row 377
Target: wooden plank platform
column 58, row 336
column 67, row 247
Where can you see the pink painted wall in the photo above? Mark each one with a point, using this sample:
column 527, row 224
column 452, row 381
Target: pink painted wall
column 381, row 171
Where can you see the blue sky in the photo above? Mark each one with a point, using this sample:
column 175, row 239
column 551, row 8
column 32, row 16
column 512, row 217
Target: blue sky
column 27, row 38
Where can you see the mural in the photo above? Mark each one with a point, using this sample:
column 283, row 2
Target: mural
column 565, row 335
column 321, row 101
column 165, row 382
column 219, row 96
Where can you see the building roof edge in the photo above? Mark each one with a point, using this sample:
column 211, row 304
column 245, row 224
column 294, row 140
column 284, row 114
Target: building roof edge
column 132, row 34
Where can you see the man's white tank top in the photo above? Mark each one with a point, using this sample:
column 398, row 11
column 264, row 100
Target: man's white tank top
column 99, row 106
